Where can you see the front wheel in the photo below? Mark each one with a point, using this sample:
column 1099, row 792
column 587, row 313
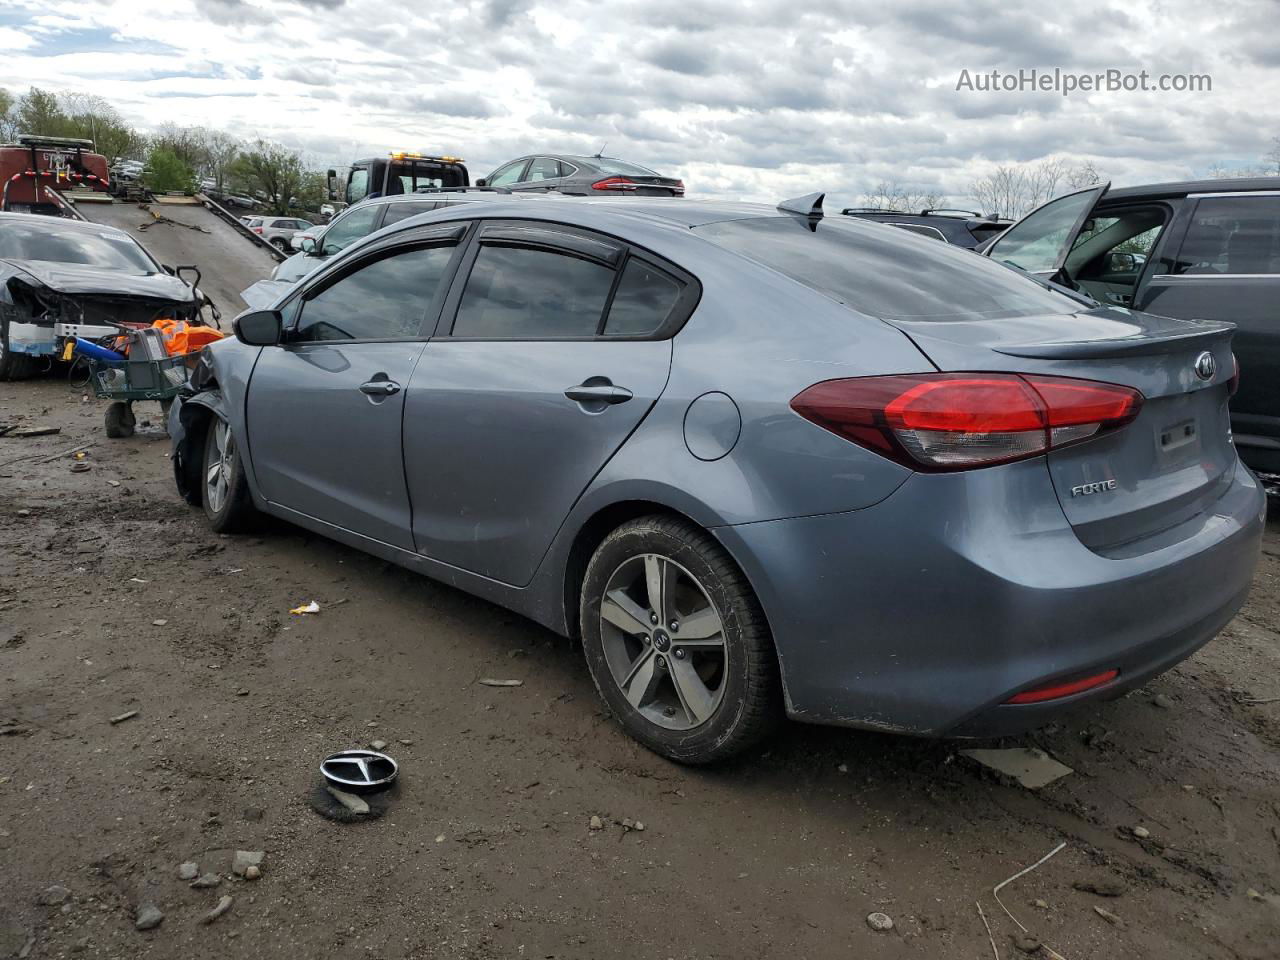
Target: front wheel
column 226, row 498
column 677, row 643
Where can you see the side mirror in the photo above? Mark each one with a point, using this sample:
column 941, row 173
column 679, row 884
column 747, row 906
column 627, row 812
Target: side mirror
column 308, row 246
column 482, row 182
column 259, row 328
column 331, row 179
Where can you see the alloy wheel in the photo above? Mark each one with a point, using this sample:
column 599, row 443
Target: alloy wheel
column 664, row 642
column 218, row 469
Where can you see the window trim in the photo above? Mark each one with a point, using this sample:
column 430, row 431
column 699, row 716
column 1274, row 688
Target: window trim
column 426, row 237
column 686, row 303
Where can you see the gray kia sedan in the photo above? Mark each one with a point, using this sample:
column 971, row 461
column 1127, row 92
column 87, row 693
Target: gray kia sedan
column 760, row 461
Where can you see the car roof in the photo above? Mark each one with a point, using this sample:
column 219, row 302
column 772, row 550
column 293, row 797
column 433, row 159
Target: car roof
column 70, row 222
column 1182, row 188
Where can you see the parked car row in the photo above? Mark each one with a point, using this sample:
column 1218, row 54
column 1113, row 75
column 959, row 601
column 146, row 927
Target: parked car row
column 720, row 443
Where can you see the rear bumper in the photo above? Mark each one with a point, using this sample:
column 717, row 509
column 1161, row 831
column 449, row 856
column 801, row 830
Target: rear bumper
column 925, row 613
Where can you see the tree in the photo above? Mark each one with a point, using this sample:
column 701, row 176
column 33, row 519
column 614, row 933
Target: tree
column 167, row 172
column 40, row 115
column 221, row 150
column 1013, row 190
column 273, row 171
column 8, row 117
column 891, row 196
column 93, row 118
column 188, row 144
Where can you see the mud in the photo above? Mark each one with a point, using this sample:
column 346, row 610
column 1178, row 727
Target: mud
column 487, row 850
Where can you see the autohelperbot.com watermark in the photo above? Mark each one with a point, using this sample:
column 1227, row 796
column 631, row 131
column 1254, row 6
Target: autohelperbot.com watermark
column 1066, row 82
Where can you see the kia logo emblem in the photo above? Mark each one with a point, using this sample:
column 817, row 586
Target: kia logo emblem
column 1206, row 366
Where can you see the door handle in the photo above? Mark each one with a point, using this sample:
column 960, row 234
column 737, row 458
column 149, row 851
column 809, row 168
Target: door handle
column 380, row 388
column 598, row 393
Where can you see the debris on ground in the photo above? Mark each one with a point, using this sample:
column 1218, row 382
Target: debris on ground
column 1162, row 701
column 1103, row 888
column 244, row 859
column 356, row 805
column 27, row 433
column 148, row 917
column 252, row 873
column 378, row 745
column 879, row 921
column 595, row 823
column 127, row 715
column 223, row 906
column 205, row 881
column 1032, row 768
column 159, row 623
column 1108, row 916
column 490, row 682
column 995, row 892
column 310, row 607
column 1026, row 943
column 188, row 870
column 1141, row 832
column 53, row 896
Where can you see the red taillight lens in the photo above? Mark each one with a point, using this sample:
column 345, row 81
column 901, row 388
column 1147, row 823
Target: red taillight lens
column 956, row 421
column 615, row 183
column 1234, row 383
column 1060, row 690
column 256, row 229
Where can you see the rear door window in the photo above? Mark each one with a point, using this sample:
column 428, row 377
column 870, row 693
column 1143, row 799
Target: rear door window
column 885, row 273
column 543, row 168
column 526, row 293
column 1232, row 235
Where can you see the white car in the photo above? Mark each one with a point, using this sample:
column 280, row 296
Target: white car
column 314, row 234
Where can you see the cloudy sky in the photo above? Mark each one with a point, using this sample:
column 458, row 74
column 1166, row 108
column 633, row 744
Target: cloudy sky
column 742, row 99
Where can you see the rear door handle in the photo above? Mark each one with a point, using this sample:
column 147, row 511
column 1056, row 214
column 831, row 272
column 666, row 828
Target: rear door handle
column 598, row 393
column 380, row 388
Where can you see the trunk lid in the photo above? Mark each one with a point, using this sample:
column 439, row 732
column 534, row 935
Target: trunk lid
column 1169, row 464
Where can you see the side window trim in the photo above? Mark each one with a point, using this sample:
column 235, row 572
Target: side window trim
column 550, row 238
column 427, row 237
column 690, row 295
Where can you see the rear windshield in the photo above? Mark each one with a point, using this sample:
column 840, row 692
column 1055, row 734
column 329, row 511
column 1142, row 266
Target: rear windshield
column 50, row 242
column 885, row 272
column 619, row 167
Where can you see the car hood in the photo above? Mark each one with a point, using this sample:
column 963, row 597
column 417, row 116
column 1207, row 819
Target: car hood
column 76, row 278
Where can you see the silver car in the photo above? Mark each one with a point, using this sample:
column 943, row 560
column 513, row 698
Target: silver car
column 760, row 461
column 277, row 231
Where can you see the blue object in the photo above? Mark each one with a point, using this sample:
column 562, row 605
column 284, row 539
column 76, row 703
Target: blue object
column 85, row 348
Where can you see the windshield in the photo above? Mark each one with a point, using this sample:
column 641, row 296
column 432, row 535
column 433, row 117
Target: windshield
column 886, row 272
column 57, row 244
column 619, row 167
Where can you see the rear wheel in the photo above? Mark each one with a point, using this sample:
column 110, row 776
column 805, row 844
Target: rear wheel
column 677, row 643
column 225, row 491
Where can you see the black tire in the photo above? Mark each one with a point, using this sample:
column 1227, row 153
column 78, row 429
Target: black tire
column 234, row 511
column 281, row 244
column 749, row 705
column 119, row 420
column 13, row 366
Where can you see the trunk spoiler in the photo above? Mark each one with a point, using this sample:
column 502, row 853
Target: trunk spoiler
column 1145, row 344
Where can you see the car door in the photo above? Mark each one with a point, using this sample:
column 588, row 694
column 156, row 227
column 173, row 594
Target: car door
column 324, row 408
column 1227, row 267
column 554, row 345
column 1040, row 241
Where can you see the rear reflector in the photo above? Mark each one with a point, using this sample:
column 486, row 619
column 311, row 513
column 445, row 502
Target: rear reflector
column 1060, row 690
column 957, row 421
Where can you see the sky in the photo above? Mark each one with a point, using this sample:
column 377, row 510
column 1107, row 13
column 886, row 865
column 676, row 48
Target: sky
column 756, row 100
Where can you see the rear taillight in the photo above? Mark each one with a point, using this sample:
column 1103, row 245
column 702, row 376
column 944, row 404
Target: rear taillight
column 1057, row 691
column 678, row 189
column 621, row 184
column 957, row 421
column 1234, row 383
column 257, row 230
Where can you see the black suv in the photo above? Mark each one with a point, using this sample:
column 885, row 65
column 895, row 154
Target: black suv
column 964, row 228
column 1204, row 249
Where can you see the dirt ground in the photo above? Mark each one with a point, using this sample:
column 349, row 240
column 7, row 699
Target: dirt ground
column 115, row 597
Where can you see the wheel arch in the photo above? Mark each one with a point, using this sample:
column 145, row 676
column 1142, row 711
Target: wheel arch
column 193, row 419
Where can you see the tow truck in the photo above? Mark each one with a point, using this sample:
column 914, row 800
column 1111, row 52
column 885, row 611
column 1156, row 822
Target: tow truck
column 398, row 172
column 36, row 171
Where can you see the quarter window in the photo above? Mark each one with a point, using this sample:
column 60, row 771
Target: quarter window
column 386, row 299
column 531, row 294
column 1232, row 235
column 643, row 301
